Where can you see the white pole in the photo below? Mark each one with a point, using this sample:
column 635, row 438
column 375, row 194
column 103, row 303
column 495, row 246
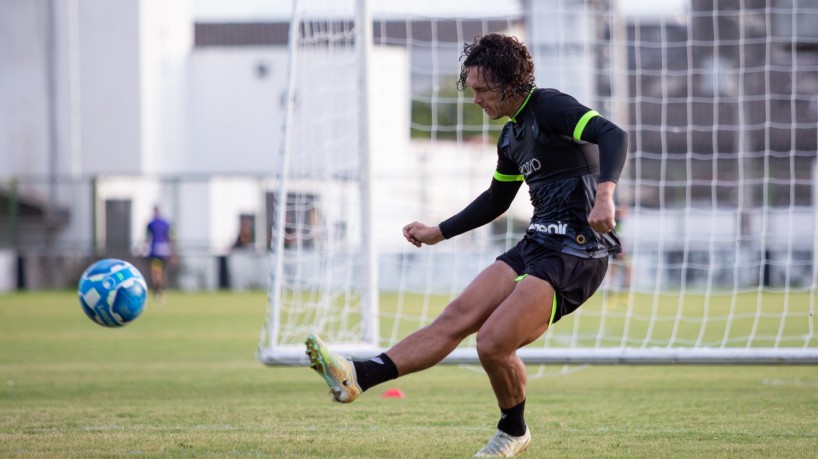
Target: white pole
column 363, row 47
column 814, row 283
column 278, row 230
column 74, row 97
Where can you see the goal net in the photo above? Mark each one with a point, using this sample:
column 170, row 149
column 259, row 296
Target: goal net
column 717, row 200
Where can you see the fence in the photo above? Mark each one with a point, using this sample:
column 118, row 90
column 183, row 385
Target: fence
column 52, row 227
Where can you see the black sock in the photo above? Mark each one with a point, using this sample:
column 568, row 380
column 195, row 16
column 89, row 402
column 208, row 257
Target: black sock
column 375, row 371
column 511, row 420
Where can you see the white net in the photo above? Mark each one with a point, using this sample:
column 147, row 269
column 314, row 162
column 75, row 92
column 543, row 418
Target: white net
column 317, row 282
column 717, row 199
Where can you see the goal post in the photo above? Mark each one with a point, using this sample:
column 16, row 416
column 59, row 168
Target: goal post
column 718, row 196
column 323, row 276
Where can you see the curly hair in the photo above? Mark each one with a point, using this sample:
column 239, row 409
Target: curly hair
column 506, row 62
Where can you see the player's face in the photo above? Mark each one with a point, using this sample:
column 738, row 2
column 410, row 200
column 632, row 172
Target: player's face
column 488, row 99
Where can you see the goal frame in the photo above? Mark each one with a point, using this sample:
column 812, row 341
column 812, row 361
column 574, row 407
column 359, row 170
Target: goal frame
column 270, row 352
column 294, row 355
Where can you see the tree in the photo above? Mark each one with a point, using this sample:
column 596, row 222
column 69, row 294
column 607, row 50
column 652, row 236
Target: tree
column 449, row 114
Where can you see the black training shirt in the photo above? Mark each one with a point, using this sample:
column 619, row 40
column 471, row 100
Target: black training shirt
column 553, row 143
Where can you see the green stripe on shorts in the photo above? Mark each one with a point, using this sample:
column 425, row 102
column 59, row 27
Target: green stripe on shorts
column 553, row 303
column 553, row 310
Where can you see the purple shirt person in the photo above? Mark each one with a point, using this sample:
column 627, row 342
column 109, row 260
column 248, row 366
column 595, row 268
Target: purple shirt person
column 160, row 248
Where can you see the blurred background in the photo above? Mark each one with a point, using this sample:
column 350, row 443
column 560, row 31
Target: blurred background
column 109, row 108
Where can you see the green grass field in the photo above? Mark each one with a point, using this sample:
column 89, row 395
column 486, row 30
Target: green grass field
column 182, row 381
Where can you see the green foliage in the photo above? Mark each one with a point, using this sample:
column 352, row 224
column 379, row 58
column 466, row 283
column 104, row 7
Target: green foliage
column 457, row 116
column 182, row 381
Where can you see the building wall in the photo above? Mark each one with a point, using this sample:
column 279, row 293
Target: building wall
column 111, row 94
column 236, row 109
column 24, row 101
column 93, row 87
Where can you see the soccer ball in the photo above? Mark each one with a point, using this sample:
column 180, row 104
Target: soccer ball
column 112, row 292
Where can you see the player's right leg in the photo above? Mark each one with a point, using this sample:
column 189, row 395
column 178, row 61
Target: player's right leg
column 461, row 318
column 423, row 348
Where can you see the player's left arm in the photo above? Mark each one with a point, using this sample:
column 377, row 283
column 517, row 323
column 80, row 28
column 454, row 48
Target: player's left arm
column 484, row 209
column 613, row 150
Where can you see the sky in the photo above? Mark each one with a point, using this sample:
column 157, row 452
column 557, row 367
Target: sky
column 250, row 10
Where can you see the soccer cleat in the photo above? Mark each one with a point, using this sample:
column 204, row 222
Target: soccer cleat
column 338, row 372
column 504, row 445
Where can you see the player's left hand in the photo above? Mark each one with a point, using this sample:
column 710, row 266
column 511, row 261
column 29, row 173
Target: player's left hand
column 418, row 234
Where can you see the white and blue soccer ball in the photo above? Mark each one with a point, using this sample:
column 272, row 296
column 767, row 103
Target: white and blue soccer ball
column 112, row 292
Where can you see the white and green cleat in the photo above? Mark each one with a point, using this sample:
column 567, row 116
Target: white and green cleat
column 505, row 445
column 338, row 372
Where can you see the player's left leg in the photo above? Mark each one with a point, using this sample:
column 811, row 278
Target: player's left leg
column 522, row 318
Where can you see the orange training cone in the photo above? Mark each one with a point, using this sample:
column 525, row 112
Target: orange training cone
column 393, row 393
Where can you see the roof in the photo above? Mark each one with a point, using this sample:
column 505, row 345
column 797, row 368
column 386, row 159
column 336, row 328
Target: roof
column 209, row 34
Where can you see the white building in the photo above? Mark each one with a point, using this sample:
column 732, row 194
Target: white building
column 109, row 107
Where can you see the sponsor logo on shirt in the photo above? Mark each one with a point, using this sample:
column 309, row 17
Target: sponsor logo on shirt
column 532, row 165
column 549, row 228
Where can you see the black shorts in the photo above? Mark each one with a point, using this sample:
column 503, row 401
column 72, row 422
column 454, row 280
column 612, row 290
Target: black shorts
column 574, row 278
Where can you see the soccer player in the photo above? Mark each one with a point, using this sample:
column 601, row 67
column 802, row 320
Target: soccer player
column 160, row 248
column 571, row 158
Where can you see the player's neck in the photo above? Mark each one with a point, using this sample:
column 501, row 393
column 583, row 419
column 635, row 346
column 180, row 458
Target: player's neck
column 518, row 105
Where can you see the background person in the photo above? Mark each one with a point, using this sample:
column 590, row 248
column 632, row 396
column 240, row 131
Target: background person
column 159, row 238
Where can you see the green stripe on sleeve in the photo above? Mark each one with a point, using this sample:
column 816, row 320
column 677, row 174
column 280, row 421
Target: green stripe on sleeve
column 507, row 178
column 584, row 122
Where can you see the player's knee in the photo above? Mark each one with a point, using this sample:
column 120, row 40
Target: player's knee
column 455, row 321
column 491, row 347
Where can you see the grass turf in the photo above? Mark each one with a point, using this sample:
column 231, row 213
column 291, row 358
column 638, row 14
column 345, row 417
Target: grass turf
column 182, row 381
